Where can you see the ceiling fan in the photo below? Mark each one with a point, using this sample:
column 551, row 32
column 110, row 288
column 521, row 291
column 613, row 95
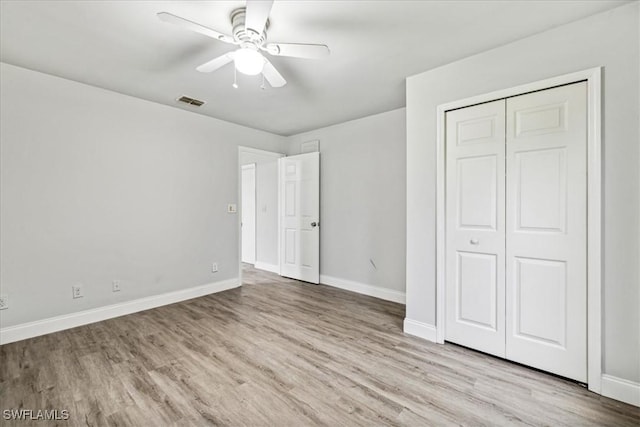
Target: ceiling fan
column 250, row 25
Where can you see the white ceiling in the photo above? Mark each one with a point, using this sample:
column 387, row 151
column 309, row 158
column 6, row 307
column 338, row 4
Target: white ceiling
column 122, row 46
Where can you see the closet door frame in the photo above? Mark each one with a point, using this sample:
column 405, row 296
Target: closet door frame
column 593, row 77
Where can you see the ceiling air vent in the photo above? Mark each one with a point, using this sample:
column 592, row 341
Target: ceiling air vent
column 190, row 101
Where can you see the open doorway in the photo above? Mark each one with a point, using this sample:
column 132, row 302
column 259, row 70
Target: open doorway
column 258, row 196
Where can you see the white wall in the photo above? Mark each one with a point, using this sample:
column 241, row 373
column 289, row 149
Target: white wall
column 610, row 39
column 266, row 206
column 97, row 186
column 362, row 199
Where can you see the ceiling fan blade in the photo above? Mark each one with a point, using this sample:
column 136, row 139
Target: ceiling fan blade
column 257, row 14
column 195, row 27
column 272, row 75
column 216, row 63
column 298, row 50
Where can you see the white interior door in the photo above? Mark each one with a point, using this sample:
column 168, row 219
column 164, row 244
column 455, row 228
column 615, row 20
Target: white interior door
column 300, row 217
column 475, row 227
column 248, row 208
column 546, row 230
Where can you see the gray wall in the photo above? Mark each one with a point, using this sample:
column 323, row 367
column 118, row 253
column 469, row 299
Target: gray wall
column 610, row 39
column 97, row 186
column 266, row 206
column 362, row 198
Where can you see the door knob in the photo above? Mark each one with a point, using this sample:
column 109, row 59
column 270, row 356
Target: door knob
column 474, row 241
column 313, row 224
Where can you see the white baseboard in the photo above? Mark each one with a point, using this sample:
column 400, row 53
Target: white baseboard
column 273, row 268
column 67, row 321
column 620, row 389
column 615, row 388
column 420, row 329
column 362, row 288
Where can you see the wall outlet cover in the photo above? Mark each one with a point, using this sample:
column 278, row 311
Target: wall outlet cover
column 214, row 267
column 115, row 286
column 77, row 291
column 4, row 302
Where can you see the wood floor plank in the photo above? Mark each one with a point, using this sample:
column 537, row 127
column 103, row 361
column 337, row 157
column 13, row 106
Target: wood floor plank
column 282, row 352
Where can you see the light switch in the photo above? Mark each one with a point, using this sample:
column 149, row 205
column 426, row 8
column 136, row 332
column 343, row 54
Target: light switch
column 232, row 208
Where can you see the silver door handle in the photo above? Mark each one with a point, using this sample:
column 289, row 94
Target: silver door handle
column 474, row 241
column 314, row 224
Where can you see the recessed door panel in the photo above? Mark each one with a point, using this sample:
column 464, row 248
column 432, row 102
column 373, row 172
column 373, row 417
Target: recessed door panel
column 476, row 289
column 290, row 246
column 541, row 190
column 477, row 192
column 540, row 300
column 540, row 119
column 307, row 252
column 476, row 130
column 290, row 170
column 290, row 196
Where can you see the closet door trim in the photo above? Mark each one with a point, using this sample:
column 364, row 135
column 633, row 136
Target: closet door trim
column 593, row 78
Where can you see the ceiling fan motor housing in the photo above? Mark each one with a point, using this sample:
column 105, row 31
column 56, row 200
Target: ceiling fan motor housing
column 243, row 35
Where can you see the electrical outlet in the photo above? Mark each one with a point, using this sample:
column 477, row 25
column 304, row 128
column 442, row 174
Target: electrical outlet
column 77, row 291
column 115, row 286
column 4, row 302
column 214, row 267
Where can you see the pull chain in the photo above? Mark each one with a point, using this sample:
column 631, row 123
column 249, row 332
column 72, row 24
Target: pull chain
column 235, row 78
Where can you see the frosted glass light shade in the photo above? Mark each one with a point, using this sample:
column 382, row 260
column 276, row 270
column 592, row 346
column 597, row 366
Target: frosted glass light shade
column 248, row 61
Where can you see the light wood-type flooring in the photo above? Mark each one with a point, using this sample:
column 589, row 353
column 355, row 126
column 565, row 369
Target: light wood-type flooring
column 277, row 352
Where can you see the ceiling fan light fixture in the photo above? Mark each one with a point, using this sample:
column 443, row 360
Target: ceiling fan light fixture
column 248, row 61
column 250, row 25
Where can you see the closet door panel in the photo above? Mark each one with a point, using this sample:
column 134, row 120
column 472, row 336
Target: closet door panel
column 546, row 197
column 475, row 227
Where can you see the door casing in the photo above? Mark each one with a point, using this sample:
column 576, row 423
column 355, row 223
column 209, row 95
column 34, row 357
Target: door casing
column 593, row 77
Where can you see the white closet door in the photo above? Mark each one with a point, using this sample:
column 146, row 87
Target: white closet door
column 300, row 217
column 546, row 230
column 475, row 227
